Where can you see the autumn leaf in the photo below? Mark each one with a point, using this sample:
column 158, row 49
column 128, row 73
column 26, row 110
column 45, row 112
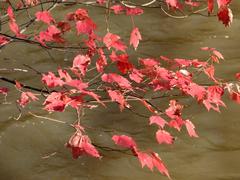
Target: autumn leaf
column 190, row 128
column 120, row 80
column 113, row 41
column 135, row 37
column 157, row 120
column 124, row 141
column 117, row 96
column 45, row 17
column 210, row 6
column 163, row 136
column 4, row 90
column 225, row 15
column 81, row 62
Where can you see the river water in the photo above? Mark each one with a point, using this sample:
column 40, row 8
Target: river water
column 32, row 148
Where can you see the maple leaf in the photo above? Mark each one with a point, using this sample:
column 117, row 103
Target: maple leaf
column 117, row 96
column 81, row 62
column 190, row 128
column 157, row 162
column 45, row 17
column 222, row 3
column 174, row 110
column 56, row 101
column 86, row 26
column 176, row 123
column 77, row 84
column 25, row 98
column 4, row 90
column 113, row 41
column 18, row 85
column 120, row 80
column 136, row 75
column 51, row 80
column 225, row 15
column 89, row 149
column 210, row 6
column 64, row 26
column 10, row 13
column 124, row 141
column 135, row 37
column 117, row 9
column 63, row 74
column 3, row 40
column 157, row 120
column 235, row 96
column 123, row 64
column 163, row 136
column 101, row 61
column 14, row 28
column 210, row 71
column 134, row 11
column 174, row 4
column 80, row 144
column 145, row 160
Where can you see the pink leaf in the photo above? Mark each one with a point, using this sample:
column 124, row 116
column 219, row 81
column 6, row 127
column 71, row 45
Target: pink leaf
column 115, row 78
column 136, row 75
column 117, row 96
column 157, row 120
column 86, row 26
column 174, row 4
column 3, row 40
column 25, row 98
column 4, row 90
column 134, row 11
column 51, row 80
column 81, row 62
column 157, row 162
column 145, row 160
column 124, row 141
column 90, row 150
column 190, row 128
column 113, row 41
column 163, row 136
column 135, row 37
column 45, row 17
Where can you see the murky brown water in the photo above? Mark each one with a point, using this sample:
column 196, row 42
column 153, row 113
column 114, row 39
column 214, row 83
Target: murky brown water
column 213, row 156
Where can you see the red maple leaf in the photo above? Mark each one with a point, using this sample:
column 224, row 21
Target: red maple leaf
column 225, row 15
column 163, row 136
column 190, row 128
column 115, row 78
column 25, row 98
column 135, row 37
column 174, row 4
column 124, row 141
column 81, row 62
column 117, row 96
column 157, row 120
column 113, row 41
column 45, row 17
column 3, row 40
column 51, row 80
column 4, row 90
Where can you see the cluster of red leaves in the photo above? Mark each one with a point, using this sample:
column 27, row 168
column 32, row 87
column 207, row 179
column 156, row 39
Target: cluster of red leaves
column 150, row 159
column 71, row 87
column 224, row 12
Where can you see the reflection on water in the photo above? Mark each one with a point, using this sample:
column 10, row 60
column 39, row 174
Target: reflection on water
column 34, row 149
